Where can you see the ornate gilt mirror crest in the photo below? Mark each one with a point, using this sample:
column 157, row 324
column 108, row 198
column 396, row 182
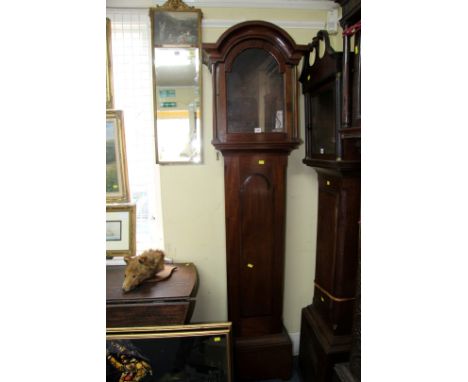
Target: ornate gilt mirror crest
column 176, row 46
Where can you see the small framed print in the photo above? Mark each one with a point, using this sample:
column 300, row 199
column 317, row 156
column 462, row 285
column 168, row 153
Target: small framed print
column 120, row 230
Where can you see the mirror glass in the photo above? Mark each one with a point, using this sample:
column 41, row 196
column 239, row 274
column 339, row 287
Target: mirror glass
column 177, row 83
column 178, row 104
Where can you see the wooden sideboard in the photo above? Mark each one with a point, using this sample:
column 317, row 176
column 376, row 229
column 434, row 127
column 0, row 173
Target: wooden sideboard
column 168, row 302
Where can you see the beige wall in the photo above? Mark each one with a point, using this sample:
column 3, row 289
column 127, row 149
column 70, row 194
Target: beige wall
column 193, row 199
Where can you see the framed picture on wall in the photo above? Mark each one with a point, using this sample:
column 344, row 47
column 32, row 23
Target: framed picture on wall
column 116, row 159
column 109, row 83
column 120, row 230
column 170, row 353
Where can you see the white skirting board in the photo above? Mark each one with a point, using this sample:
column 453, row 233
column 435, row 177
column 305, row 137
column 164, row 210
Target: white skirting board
column 295, row 337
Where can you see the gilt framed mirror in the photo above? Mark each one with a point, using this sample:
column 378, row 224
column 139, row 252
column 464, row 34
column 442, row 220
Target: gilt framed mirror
column 176, row 47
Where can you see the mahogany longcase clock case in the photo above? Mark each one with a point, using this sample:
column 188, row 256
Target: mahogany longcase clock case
column 331, row 88
column 253, row 66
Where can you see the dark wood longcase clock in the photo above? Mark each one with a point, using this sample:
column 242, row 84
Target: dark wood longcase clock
column 253, row 67
column 331, row 88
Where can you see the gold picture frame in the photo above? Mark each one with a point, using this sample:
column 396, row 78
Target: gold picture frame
column 109, row 76
column 117, row 189
column 120, row 230
column 187, row 352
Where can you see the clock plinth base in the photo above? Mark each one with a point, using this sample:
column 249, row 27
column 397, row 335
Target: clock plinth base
column 320, row 349
column 263, row 357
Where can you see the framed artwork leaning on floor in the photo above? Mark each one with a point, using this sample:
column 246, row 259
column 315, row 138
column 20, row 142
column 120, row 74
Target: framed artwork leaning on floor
column 200, row 352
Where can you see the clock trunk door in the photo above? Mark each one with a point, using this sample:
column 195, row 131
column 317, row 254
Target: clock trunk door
column 256, row 263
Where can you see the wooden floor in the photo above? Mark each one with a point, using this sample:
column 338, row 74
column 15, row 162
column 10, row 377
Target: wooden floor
column 296, row 377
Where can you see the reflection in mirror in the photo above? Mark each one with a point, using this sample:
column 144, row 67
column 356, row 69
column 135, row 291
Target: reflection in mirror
column 178, row 104
column 255, row 86
column 177, row 84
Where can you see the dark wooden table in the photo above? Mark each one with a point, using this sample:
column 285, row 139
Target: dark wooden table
column 168, row 302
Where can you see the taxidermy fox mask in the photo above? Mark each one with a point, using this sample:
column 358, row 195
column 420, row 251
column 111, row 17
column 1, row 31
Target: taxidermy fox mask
column 143, row 267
